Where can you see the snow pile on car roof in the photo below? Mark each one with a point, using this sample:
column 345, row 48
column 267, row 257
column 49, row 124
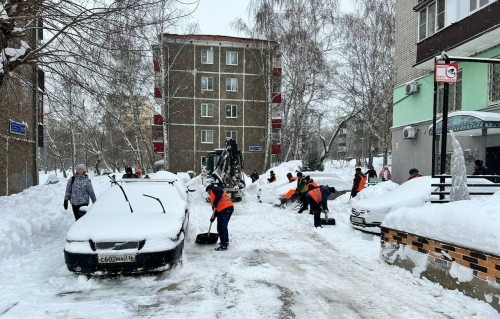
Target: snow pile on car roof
column 36, row 217
column 470, row 223
column 411, row 193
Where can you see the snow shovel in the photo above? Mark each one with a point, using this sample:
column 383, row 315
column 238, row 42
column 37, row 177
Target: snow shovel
column 327, row 221
column 208, row 238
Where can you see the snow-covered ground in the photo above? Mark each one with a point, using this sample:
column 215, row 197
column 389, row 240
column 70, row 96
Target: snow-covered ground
column 277, row 266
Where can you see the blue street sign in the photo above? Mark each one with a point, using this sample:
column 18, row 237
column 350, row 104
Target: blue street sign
column 17, row 128
column 255, row 148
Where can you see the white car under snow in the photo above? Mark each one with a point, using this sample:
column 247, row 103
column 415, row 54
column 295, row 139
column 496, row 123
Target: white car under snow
column 368, row 214
column 145, row 233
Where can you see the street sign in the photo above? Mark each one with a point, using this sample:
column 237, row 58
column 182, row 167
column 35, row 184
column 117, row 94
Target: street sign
column 17, row 128
column 255, row 148
column 446, row 73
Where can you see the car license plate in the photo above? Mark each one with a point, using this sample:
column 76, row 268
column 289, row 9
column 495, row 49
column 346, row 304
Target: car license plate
column 357, row 220
column 116, row 259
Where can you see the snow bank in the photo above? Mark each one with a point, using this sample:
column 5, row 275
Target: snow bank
column 36, row 217
column 470, row 223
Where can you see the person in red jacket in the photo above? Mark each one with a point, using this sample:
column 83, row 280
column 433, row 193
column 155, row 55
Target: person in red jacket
column 224, row 208
column 272, row 177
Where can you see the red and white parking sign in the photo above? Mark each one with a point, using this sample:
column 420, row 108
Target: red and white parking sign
column 446, row 73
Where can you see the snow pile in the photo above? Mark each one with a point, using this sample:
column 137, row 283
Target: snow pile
column 473, row 224
column 36, row 217
column 458, row 189
column 412, row 193
column 463, row 274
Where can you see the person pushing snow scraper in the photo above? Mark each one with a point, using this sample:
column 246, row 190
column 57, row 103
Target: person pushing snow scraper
column 317, row 198
column 223, row 206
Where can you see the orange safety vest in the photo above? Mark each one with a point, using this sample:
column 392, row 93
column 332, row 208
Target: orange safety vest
column 316, row 195
column 289, row 194
column 293, row 179
column 312, row 183
column 362, row 183
column 224, row 203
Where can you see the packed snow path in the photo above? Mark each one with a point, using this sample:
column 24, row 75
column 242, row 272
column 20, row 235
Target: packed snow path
column 277, row 266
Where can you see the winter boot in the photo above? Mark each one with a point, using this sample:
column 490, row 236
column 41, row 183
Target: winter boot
column 317, row 218
column 221, row 248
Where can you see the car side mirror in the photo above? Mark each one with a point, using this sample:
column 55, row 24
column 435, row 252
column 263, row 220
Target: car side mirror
column 191, row 190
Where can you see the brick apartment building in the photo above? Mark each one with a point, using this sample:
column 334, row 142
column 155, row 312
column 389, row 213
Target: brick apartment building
column 21, row 99
column 217, row 90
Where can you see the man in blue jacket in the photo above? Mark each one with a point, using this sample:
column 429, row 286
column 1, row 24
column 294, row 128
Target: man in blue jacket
column 317, row 197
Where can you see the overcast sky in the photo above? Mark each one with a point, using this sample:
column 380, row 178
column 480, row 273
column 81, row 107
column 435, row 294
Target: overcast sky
column 214, row 16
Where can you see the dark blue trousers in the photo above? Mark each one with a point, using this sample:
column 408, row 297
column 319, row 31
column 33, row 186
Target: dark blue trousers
column 222, row 221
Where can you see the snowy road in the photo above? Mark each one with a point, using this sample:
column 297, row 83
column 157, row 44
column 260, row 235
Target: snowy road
column 277, row 266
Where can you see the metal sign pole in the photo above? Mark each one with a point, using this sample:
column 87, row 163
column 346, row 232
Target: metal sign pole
column 444, row 132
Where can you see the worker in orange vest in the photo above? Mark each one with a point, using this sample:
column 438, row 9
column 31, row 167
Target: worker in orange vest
column 223, row 206
column 291, row 178
column 358, row 183
column 317, row 197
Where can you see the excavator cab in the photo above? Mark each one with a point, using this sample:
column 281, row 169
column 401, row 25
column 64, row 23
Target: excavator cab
column 226, row 168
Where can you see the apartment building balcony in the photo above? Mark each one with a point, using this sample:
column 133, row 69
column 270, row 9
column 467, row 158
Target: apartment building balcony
column 473, row 32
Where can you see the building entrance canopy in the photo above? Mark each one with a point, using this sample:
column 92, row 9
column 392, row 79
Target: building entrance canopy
column 470, row 123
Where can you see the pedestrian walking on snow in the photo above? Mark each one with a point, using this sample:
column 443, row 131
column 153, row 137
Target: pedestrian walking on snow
column 78, row 191
column 385, row 174
column 224, row 208
column 479, row 169
column 129, row 174
column 371, row 172
column 254, row 176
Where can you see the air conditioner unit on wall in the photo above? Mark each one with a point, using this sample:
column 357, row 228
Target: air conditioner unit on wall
column 411, row 88
column 410, row 132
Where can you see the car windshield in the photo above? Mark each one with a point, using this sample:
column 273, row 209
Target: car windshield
column 113, row 201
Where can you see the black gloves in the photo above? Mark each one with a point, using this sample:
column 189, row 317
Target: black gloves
column 66, row 204
column 212, row 219
column 354, row 193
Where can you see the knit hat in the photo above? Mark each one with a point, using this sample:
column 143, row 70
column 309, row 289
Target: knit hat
column 81, row 166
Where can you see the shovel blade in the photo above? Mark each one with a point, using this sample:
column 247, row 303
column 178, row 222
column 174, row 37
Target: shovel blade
column 207, row 238
column 329, row 221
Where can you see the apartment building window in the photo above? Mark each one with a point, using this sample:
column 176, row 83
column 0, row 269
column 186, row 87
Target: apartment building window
column 431, row 19
column 231, row 58
column 231, row 111
column 494, row 84
column 207, row 110
column 342, row 148
column 231, row 135
column 343, row 131
column 454, row 96
column 207, row 83
column 232, row 84
column 207, row 56
column 276, row 86
column 203, row 161
column 476, row 4
column 207, row 136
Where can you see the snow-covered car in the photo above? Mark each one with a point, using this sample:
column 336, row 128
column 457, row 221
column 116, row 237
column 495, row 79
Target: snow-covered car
column 142, row 234
column 368, row 214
